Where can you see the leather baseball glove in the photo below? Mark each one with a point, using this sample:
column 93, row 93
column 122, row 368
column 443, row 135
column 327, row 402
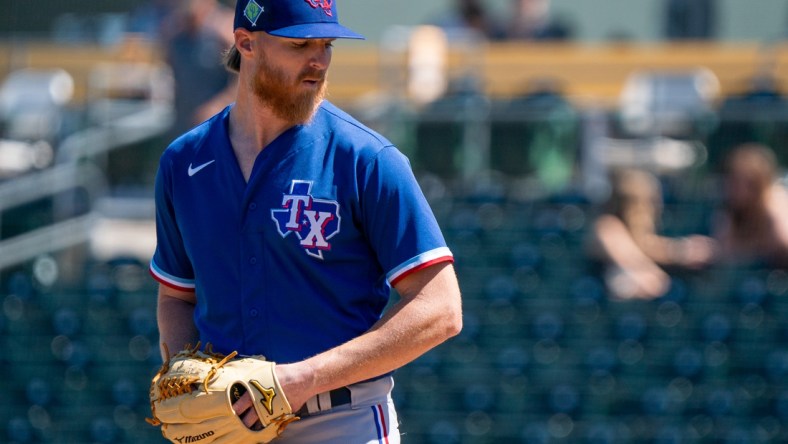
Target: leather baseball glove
column 192, row 396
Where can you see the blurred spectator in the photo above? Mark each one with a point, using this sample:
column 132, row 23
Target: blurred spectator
column 753, row 226
column 470, row 17
column 758, row 114
column 532, row 20
column 195, row 38
column 536, row 134
column 148, row 18
column 690, row 19
column 625, row 239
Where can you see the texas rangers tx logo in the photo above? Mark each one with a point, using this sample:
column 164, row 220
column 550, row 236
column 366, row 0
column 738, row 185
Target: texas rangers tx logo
column 314, row 221
column 324, row 4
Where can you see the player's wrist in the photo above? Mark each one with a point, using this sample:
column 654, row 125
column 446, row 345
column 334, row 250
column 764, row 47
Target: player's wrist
column 297, row 381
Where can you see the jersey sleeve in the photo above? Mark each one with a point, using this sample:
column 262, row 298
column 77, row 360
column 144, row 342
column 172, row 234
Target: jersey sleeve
column 170, row 264
column 399, row 222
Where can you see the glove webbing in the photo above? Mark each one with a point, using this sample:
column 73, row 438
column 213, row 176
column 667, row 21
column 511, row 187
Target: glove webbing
column 172, row 387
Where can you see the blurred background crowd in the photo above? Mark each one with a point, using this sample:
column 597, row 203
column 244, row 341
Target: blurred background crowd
column 610, row 176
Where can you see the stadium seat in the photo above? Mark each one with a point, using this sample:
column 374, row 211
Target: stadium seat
column 39, row 392
column 104, row 430
column 142, row 321
column 66, row 322
column 19, row 430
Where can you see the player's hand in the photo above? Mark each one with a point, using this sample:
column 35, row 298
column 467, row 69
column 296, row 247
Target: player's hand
column 297, row 380
column 244, row 409
column 288, row 377
column 190, row 393
column 697, row 251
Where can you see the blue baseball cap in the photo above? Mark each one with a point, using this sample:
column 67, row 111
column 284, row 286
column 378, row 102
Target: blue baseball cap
column 298, row 19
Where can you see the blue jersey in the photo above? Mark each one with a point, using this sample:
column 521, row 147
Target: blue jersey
column 302, row 257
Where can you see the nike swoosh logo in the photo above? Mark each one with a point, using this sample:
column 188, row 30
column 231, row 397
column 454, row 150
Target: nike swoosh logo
column 195, row 170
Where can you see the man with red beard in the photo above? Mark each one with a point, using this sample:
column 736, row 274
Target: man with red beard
column 283, row 225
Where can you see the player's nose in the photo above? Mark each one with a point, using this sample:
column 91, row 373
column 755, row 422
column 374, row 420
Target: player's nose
column 321, row 57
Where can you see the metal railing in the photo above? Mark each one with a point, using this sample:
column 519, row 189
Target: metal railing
column 74, row 169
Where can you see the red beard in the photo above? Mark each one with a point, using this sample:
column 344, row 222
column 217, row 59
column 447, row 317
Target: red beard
column 289, row 99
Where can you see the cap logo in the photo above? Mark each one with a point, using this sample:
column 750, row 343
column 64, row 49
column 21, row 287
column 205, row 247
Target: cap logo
column 253, row 11
column 324, row 4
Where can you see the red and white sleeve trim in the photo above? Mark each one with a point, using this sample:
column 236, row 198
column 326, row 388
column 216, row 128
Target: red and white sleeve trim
column 420, row 262
column 170, row 280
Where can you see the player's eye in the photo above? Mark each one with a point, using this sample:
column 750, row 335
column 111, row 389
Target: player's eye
column 303, row 44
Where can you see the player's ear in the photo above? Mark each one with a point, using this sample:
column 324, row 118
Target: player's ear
column 243, row 42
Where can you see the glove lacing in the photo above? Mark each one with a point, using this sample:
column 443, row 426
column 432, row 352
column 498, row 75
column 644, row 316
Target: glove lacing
column 176, row 386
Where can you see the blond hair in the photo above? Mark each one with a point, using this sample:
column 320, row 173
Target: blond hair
column 232, row 59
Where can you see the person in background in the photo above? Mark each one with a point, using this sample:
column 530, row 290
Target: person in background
column 690, row 19
column 626, row 241
column 149, row 18
column 470, row 17
column 752, row 227
column 532, row 20
column 195, row 38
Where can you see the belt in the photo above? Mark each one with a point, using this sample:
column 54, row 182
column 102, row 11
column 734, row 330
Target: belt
column 340, row 396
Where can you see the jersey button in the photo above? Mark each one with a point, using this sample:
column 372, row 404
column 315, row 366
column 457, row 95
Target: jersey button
column 253, row 260
column 252, row 206
column 253, row 312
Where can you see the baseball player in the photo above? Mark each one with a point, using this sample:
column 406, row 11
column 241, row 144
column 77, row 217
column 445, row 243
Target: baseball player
column 283, row 224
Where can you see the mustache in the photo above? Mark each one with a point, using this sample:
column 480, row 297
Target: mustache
column 315, row 74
